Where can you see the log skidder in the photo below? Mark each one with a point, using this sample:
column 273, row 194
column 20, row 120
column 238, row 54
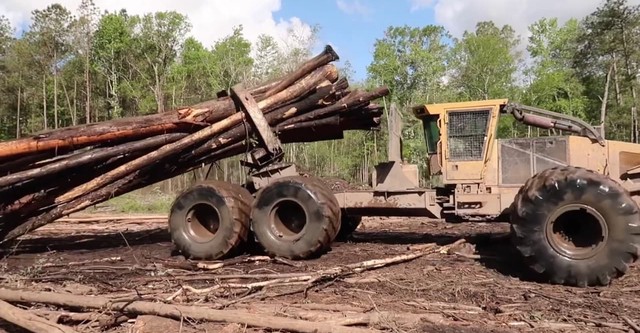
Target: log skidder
column 574, row 226
column 295, row 217
column 210, row 220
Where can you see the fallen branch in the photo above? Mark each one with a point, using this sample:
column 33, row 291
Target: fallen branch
column 177, row 312
column 314, row 278
column 217, row 265
column 80, row 263
column 30, row 321
column 377, row 318
column 631, row 324
column 92, row 319
column 445, row 306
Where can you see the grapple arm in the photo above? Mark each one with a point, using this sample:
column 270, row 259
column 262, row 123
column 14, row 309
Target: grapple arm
column 552, row 120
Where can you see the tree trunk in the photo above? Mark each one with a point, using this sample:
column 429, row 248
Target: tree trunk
column 44, row 101
column 87, row 105
column 18, row 113
column 74, row 114
column 55, row 90
column 634, row 109
column 605, row 99
column 158, row 91
column 617, row 83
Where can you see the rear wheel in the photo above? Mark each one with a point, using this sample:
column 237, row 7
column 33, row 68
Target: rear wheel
column 210, row 220
column 575, row 227
column 348, row 224
column 295, row 217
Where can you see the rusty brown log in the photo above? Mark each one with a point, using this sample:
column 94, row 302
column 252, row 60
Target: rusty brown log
column 59, row 211
column 90, row 156
column 354, row 100
column 327, row 56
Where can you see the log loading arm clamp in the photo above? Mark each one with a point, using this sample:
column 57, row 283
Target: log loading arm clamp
column 269, row 149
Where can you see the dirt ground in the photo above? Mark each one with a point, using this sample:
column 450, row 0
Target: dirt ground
column 477, row 286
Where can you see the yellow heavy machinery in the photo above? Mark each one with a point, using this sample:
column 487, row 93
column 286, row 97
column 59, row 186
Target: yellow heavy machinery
column 572, row 200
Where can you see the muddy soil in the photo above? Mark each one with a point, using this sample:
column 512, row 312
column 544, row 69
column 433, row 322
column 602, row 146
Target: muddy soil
column 479, row 286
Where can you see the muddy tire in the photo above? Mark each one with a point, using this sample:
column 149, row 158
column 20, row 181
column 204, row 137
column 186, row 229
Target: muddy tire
column 348, row 224
column 575, row 227
column 210, row 220
column 295, row 217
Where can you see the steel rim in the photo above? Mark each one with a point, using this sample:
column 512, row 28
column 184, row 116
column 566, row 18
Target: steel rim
column 203, row 221
column 577, row 231
column 288, row 219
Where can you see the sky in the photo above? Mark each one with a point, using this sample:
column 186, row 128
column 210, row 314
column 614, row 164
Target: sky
column 350, row 26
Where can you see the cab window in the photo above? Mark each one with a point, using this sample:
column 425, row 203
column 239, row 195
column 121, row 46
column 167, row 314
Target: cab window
column 431, row 133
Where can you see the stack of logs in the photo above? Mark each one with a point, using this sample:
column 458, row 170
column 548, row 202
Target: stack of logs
column 53, row 174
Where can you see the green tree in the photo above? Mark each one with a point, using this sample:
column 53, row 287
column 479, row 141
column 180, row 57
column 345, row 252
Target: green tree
column 267, row 59
column 189, row 80
column 555, row 84
column 49, row 33
column 156, row 45
column 112, row 43
column 83, row 30
column 231, row 59
column 411, row 62
column 484, row 62
column 608, row 54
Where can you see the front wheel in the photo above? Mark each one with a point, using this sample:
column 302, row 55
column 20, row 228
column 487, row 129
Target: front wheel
column 575, row 227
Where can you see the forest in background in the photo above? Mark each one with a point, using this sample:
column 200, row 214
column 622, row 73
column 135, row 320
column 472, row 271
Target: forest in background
column 80, row 65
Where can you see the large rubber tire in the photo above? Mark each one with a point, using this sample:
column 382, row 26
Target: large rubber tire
column 348, row 224
column 210, row 220
column 295, row 217
column 575, row 227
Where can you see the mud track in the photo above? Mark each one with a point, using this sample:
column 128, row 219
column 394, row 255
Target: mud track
column 478, row 286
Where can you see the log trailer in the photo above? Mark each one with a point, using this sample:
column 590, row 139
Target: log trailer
column 572, row 201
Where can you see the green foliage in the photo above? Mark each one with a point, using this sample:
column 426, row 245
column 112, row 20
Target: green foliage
column 411, row 62
column 483, row 63
column 555, row 86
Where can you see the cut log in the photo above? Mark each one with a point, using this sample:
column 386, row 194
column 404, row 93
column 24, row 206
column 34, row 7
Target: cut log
column 176, row 312
column 90, row 156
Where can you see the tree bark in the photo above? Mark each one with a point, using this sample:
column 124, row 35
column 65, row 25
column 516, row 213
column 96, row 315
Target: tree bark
column 55, row 89
column 44, row 101
column 605, row 99
column 87, row 80
column 18, row 112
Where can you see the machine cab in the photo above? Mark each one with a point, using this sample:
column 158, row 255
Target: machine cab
column 459, row 137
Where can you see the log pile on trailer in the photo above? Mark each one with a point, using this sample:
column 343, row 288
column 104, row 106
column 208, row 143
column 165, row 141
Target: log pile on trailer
column 52, row 174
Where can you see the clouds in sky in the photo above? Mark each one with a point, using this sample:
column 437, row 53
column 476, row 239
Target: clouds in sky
column 353, row 7
column 460, row 15
column 210, row 19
